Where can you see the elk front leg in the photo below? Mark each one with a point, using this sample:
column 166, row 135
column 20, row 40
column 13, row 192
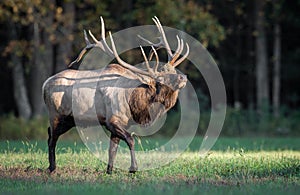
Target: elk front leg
column 113, row 147
column 130, row 142
column 119, row 131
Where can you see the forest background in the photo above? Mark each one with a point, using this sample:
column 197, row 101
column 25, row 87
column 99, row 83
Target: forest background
column 255, row 44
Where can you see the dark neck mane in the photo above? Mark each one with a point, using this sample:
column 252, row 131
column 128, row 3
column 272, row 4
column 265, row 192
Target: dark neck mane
column 144, row 96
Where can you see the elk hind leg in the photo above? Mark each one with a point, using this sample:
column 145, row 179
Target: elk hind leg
column 59, row 126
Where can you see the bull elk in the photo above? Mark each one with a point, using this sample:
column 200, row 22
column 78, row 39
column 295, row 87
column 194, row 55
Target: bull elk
column 118, row 105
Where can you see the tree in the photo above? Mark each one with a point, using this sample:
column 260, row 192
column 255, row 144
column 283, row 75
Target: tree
column 262, row 78
column 185, row 15
column 34, row 28
column 276, row 57
column 40, row 68
column 65, row 37
column 19, row 84
column 16, row 50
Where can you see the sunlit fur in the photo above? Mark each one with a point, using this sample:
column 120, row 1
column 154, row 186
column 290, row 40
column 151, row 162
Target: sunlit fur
column 120, row 100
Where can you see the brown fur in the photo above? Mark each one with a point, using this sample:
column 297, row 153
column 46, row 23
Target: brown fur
column 112, row 91
column 143, row 104
column 145, row 95
column 166, row 96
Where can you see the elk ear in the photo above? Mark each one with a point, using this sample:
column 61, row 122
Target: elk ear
column 152, row 84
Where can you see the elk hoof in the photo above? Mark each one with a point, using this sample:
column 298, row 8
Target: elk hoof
column 133, row 169
column 51, row 169
column 109, row 170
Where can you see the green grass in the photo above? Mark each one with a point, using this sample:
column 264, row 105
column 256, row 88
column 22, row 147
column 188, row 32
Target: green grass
column 234, row 166
column 222, row 144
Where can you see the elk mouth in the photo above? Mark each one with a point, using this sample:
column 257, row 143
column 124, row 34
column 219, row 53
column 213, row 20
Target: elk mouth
column 181, row 85
column 182, row 81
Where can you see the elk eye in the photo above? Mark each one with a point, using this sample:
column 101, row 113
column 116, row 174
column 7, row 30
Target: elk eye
column 182, row 77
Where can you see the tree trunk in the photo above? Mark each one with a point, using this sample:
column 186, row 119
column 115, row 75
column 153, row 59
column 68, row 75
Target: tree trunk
column 20, row 91
column 250, row 60
column 262, row 80
column 19, row 83
column 42, row 65
column 236, row 75
column 64, row 47
column 276, row 70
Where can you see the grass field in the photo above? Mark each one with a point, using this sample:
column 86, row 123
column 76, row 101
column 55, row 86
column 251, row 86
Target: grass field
column 234, row 166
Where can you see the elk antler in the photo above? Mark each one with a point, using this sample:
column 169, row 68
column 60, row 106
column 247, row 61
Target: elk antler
column 102, row 44
column 164, row 43
column 126, row 65
column 88, row 46
column 113, row 51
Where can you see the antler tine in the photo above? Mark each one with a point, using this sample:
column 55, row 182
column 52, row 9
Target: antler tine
column 178, row 52
column 124, row 64
column 163, row 36
column 159, row 45
column 178, row 44
column 102, row 28
column 157, row 60
column 95, row 40
column 87, row 41
column 184, row 56
column 103, row 36
column 163, row 40
column 88, row 46
column 146, row 40
column 146, row 61
column 172, row 57
column 98, row 43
